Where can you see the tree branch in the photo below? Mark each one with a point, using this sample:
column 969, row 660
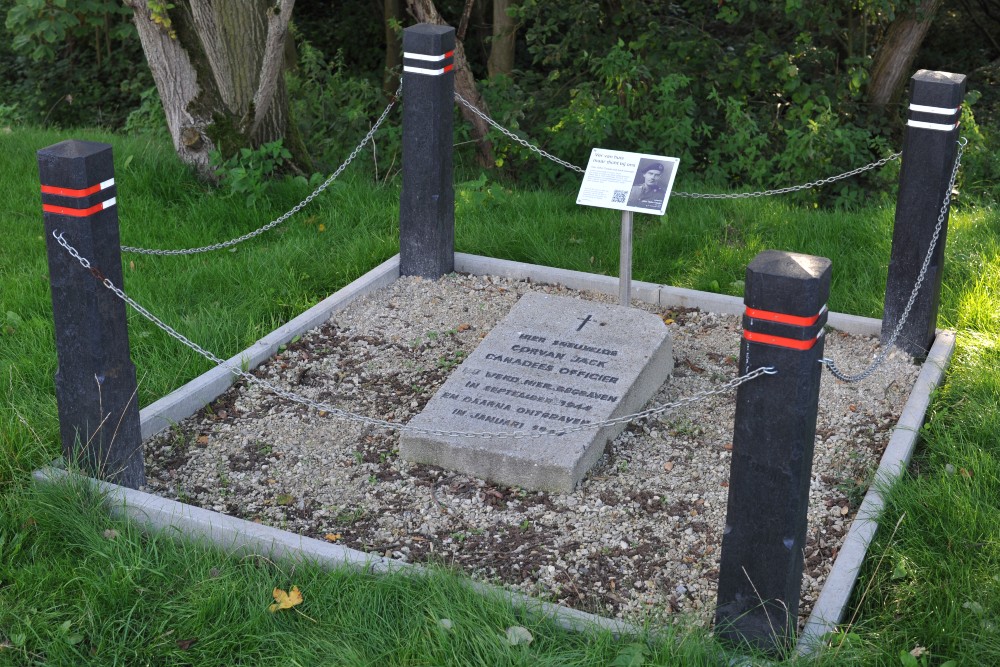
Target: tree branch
column 463, row 25
column 278, row 19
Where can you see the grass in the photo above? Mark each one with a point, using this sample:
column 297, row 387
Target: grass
column 110, row 594
column 71, row 595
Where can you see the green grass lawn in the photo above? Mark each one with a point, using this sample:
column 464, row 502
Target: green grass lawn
column 73, row 593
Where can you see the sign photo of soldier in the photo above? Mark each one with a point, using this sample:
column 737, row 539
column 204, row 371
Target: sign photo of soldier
column 649, row 186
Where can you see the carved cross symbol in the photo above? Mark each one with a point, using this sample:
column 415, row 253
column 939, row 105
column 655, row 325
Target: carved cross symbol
column 582, row 324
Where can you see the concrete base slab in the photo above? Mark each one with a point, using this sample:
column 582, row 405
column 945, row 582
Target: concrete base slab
column 553, row 363
column 235, row 534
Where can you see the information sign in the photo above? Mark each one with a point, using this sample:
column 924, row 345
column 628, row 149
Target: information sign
column 628, row 181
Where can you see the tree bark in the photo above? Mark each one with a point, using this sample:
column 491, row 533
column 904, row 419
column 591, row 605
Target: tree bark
column 393, row 15
column 895, row 56
column 424, row 11
column 219, row 73
column 504, row 36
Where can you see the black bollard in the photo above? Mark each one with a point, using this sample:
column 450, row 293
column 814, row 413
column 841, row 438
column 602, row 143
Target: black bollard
column 95, row 381
column 427, row 200
column 929, row 149
column 760, row 573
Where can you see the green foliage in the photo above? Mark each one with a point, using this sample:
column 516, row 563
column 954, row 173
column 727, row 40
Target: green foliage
column 41, row 27
column 249, row 172
column 148, row 117
column 747, row 93
column 159, row 12
column 71, row 62
column 335, row 109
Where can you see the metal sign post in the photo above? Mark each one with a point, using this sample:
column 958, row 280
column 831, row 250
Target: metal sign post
column 625, row 266
column 628, row 182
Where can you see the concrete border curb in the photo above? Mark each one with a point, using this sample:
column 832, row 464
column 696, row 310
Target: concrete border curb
column 829, row 608
column 199, row 392
column 658, row 295
column 236, row 535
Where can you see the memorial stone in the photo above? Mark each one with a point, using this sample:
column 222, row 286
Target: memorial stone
column 553, row 365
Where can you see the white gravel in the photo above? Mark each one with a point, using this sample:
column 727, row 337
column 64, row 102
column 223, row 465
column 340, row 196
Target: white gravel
column 638, row 539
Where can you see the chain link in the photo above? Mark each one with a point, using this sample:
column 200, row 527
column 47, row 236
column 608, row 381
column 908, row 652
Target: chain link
column 381, row 423
column 298, row 207
column 688, row 195
column 884, row 352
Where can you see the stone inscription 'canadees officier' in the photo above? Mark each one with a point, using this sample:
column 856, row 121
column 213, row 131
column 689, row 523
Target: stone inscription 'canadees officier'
column 553, row 364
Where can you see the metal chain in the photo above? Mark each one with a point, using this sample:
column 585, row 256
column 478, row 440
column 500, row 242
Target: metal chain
column 371, row 421
column 881, row 357
column 298, row 207
column 793, row 188
column 516, row 138
column 689, row 195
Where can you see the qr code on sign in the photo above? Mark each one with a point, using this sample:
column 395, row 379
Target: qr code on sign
column 619, row 196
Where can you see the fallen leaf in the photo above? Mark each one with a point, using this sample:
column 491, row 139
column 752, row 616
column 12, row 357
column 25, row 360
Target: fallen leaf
column 974, row 607
column 844, row 510
column 668, row 320
column 964, row 472
column 185, row 644
column 694, row 367
column 852, row 407
column 728, row 447
column 464, row 327
column 321, row 227
column 283, row 600
column 724, row 485
column 332, row 537
column 518, row 636
column 668, row 466
column 202, row 439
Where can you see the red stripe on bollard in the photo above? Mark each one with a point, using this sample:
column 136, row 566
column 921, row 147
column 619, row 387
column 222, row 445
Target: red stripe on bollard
column 782, row 318
column 78, row 212
column 779, row 341
column 70, row 192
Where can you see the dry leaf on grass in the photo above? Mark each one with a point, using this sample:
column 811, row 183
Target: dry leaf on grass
column 518, row 636
column 283, row 600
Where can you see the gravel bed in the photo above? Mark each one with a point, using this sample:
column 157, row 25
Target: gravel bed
column 638, row 539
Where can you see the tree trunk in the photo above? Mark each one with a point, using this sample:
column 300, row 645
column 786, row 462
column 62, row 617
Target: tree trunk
column 218, row 66
column 424, row 11
column 895, row 56
column 504, row 36
column 393, row 15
